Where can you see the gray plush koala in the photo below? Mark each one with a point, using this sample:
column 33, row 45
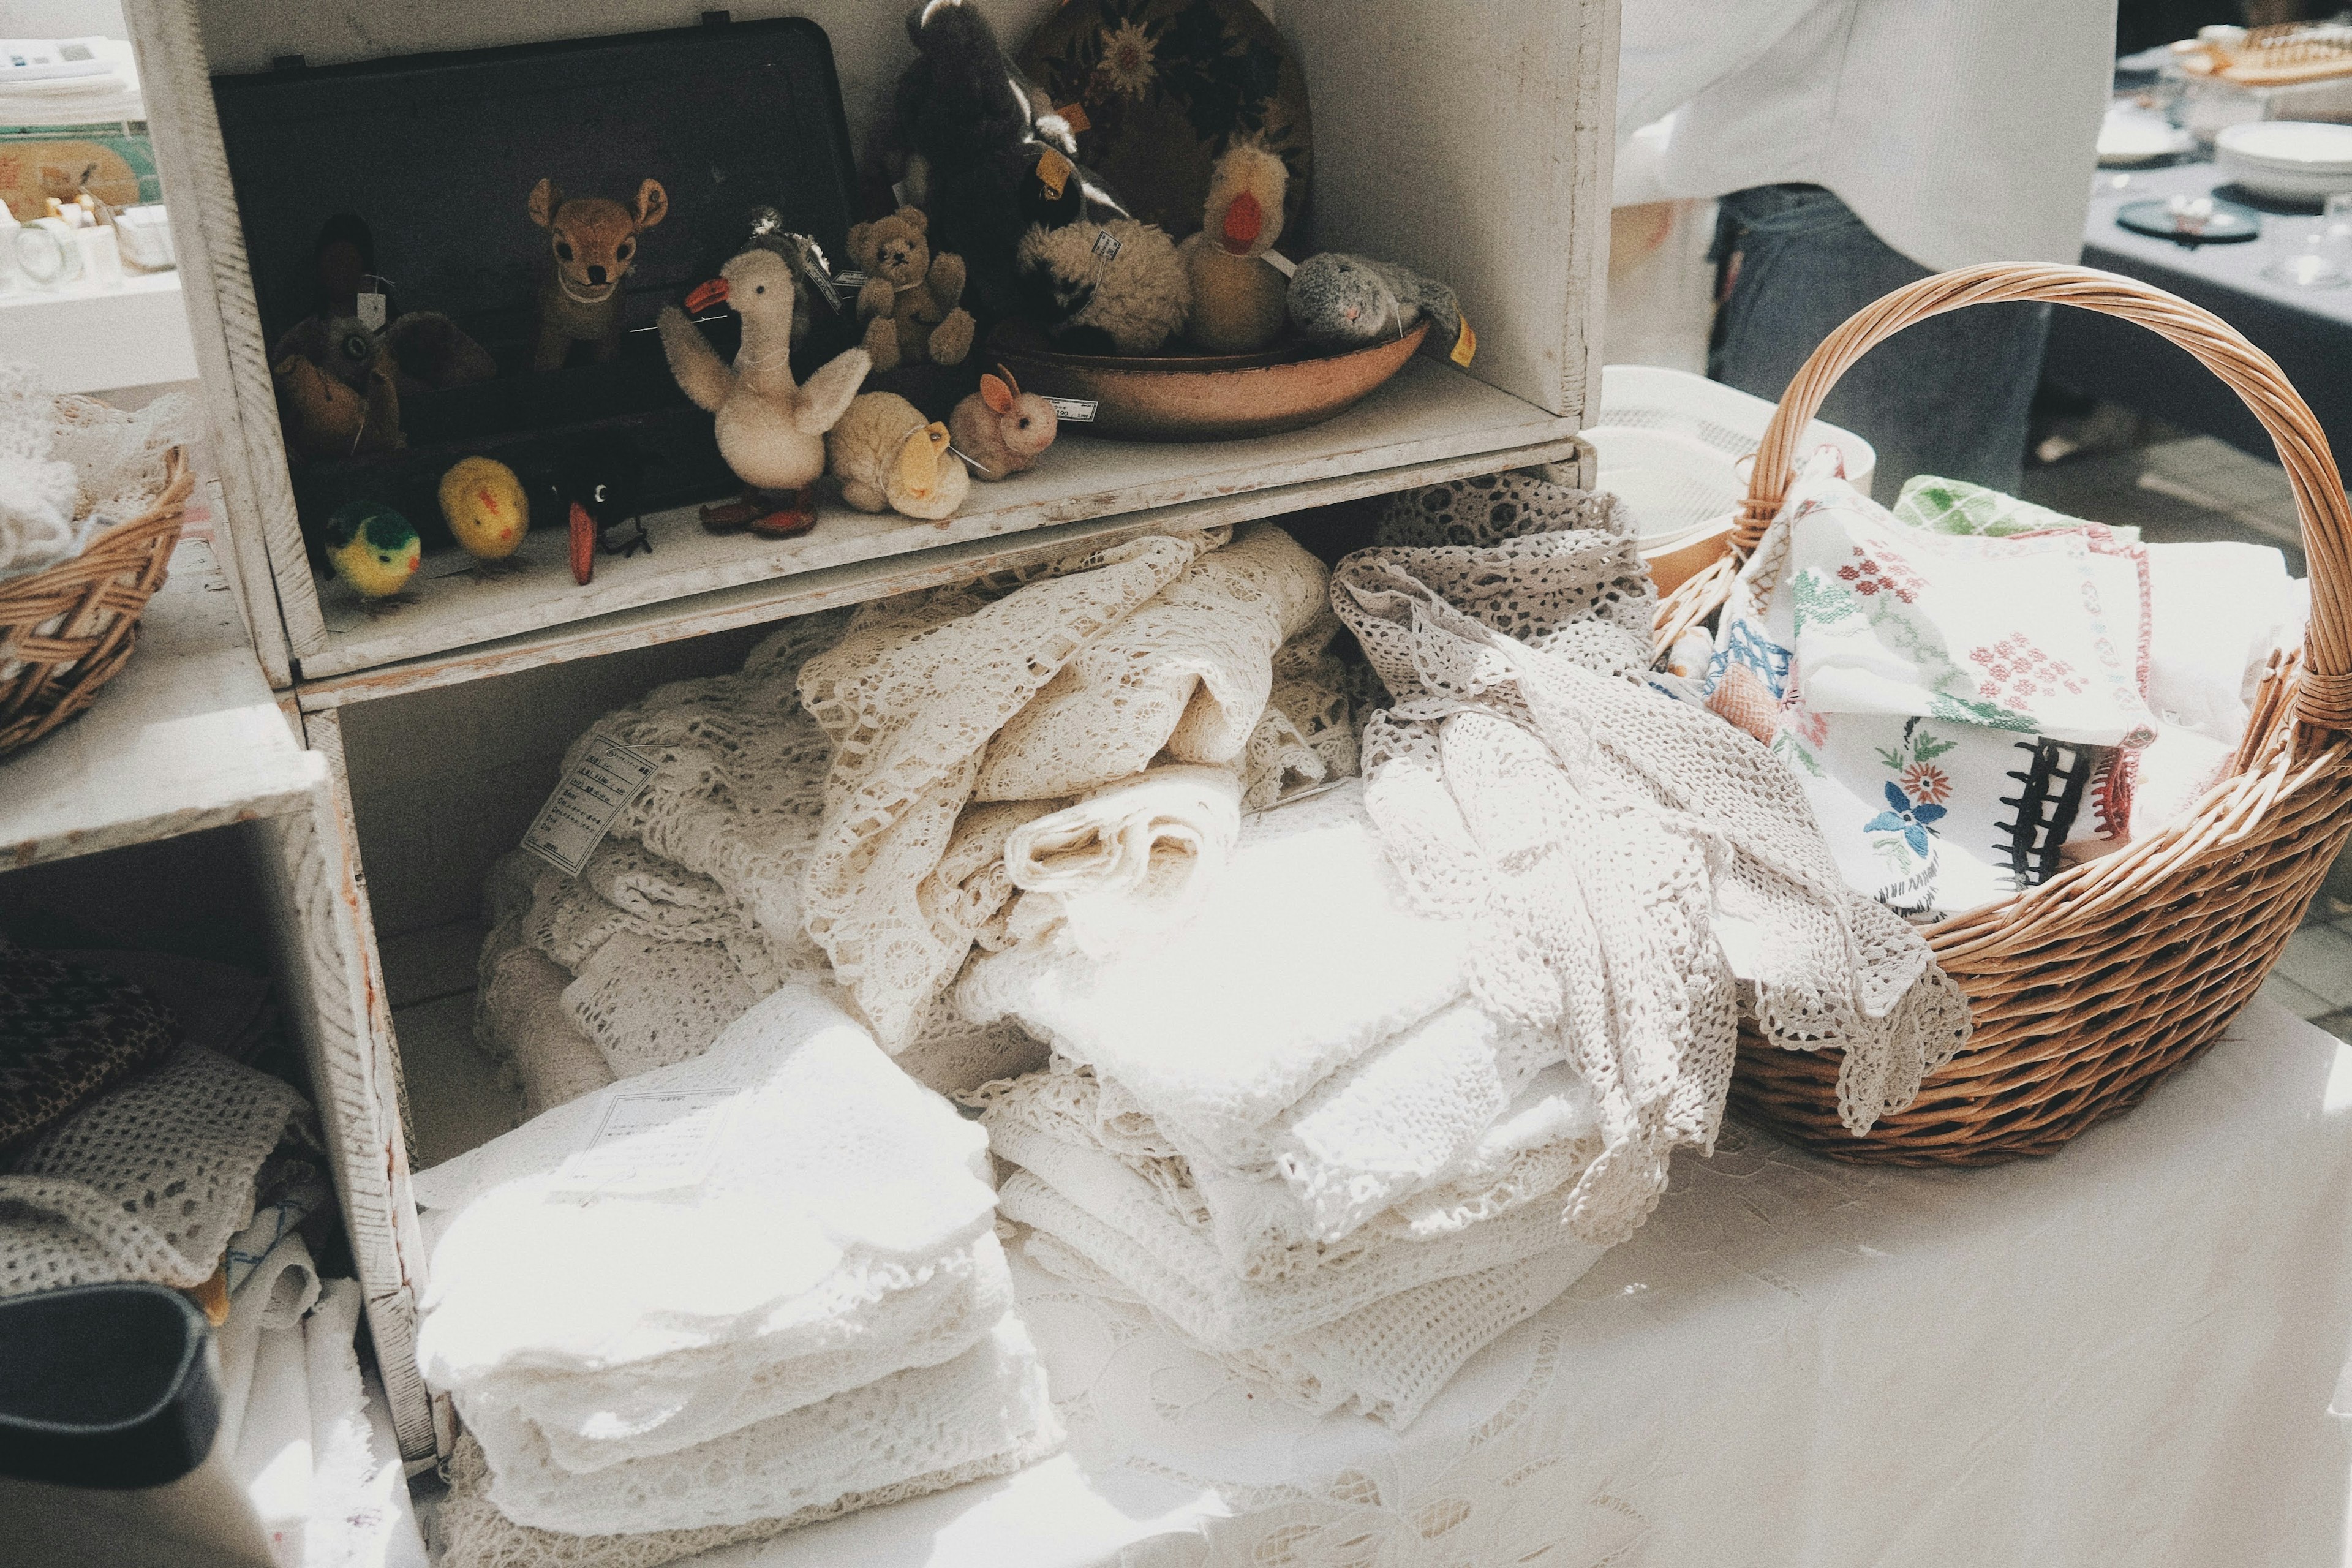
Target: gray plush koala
column 1346, row 301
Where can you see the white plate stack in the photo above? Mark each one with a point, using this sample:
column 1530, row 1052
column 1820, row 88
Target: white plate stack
column 2287, row 160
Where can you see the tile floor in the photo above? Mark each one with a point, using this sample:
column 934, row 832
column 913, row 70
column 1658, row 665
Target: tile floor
column 2180, row 488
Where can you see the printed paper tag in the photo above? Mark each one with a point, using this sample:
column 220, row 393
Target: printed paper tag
column 850, row 279
column 1105, row 244
column 1074, row 410
column 1465, row 345
column 818, row 271
column 578, row 814
column 372, row 312
column 1074, row 115
column 1052, row 171
column 1281, row 263
column 646, row 1142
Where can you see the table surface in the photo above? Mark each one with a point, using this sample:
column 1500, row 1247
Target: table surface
column 2122, row 1353
column 2237, row 267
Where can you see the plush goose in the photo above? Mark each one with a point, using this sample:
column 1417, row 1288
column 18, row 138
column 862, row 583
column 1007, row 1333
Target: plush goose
column 771, row 429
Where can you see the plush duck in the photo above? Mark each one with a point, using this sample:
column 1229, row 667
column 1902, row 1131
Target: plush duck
column 885, row 455
column 771, row 429
column 373, row 549
column 487, row 511
column 1237, row 295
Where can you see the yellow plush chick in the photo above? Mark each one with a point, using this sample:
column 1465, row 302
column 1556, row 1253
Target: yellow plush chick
column 884, row 454
column 486, row 510
column 373, row 548
column 1237, row 295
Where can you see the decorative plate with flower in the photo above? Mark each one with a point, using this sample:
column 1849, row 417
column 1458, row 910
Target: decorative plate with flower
column 1162, row 87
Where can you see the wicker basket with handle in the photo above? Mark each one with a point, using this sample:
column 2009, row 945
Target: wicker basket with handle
column 66, row 632
column 2088, row 989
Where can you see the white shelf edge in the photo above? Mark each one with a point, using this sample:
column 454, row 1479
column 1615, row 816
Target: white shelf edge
column 779, row 598
column 187, row 736
column 1431, row 413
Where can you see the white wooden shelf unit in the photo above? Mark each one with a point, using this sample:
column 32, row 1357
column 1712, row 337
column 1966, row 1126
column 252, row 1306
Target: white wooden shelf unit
column 1466, row 139
column 189, row 741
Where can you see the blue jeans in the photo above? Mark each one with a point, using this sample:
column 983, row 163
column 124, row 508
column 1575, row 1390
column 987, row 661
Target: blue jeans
column 1947, row 397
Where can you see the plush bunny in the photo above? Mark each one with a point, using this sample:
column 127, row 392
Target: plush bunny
column 1347, row 301
column 1000, row 429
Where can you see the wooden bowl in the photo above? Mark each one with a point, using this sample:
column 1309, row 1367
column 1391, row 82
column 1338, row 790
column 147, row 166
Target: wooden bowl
column 1199, row 397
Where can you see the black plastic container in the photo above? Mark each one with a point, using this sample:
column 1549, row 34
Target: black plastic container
column 437, row 154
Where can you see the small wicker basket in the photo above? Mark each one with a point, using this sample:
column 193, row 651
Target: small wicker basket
column 66, row 631
column 2091, row 987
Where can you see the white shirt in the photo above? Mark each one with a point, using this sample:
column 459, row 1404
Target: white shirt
column 1959, row 131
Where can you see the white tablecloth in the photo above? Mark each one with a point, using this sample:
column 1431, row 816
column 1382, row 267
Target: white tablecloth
column 2124, row 1355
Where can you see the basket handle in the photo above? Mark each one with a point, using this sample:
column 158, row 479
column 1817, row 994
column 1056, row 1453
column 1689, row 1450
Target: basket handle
column 2324, row 697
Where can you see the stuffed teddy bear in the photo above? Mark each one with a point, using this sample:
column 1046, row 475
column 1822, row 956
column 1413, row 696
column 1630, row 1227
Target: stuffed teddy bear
column 592, row 244
column 909, row 302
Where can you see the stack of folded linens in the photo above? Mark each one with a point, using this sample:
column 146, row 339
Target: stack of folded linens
column 1286, row 1126
column 733, row 1295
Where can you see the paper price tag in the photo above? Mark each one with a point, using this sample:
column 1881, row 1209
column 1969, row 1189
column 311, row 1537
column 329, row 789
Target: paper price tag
column 1280, row 263
column 1465, row 345
column 647, row 1142
column 851, row 279
column 372, row 312
column 1074, row 115
column 1105, row 244
column 1052, row 171
column 578, row 814
column 1075, row 410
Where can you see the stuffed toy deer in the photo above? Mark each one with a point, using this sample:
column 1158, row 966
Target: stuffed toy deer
column 592, row 243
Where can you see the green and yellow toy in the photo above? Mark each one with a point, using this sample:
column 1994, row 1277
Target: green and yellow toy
column 486, row 510
column 373, row 549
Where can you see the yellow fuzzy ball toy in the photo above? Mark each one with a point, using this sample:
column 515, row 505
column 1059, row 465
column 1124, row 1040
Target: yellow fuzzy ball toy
column 373, row 548
column 486, row 507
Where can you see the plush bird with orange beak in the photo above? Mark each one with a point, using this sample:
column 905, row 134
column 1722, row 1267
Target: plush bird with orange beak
column 1237, row 295
column 770, row 428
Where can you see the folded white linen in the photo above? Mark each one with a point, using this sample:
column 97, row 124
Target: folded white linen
column 2216, row 612
column 1262, row 1229
column 1175, row 1267
column 1300, row 958
column 586, row 1421
column 475, row 1534
column 984, row 1403
column 520, row 1019
column 831, row 1181
column 1133, row 857
column 1188, row 671
column 910, row 697
column 1387, row 1361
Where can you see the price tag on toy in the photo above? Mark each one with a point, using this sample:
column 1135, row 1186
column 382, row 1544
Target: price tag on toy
column 580, row 812
column 371, row 306
column 1281, row 263
column 646, row 1143
column 1074, row 116
column 1074, row 410
column 1105, row 244
column 1052, row 171
column 1466, row 344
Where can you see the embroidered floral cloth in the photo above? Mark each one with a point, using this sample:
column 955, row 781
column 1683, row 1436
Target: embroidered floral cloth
column 1964, row 712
